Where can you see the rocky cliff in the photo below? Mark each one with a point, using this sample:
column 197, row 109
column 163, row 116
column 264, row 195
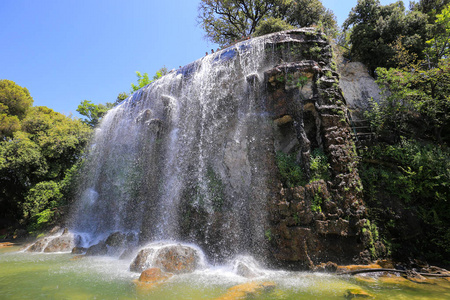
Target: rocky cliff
column 247, row 150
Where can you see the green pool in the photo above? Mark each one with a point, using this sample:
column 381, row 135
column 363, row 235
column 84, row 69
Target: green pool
column 60, row 276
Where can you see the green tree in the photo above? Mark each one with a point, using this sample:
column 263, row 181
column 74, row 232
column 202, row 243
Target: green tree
column 374, row 28
column 14, row 103
column 225, row 21
column 439, row 42
column 271, row 25
column 15, row 99
column 44, row 150
column 144, row 79
column 93, row 112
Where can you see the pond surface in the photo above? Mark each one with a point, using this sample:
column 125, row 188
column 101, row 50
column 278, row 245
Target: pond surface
column 60, row 276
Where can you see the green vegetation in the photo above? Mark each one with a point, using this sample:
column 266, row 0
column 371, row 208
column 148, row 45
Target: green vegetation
column 319, row 166
column 36, row 158
column 227, row 21
column 405, row 173
column 292, row 173
column 94, row 112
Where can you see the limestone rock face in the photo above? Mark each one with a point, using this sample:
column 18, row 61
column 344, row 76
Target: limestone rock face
column 358, row 87
column 176, row 259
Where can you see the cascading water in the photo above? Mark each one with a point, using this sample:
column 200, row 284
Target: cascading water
column 181, row 159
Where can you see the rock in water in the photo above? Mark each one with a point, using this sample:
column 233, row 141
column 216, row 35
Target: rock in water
column 61, row 243
column 154, row 275
column 97, row 249
column 169, row 258
column 177, row 259
column 140, row 262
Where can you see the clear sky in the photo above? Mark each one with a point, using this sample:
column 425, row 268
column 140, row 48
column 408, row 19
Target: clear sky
column 66, row 51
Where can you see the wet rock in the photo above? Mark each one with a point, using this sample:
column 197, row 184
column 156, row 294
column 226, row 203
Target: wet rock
column 337, row 227
column 249, row 290
column 116, row 239
column 38, row 246
column 357, row 293
column 415, row 277
column 63, row 243
column 140, row 262
column 78, row 250
column 327, row 267
column 247, row 266
column 97, row 249
column 357, row 267
column 154, row 275
column 177, row 259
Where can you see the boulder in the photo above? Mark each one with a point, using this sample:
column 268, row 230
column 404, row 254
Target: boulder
column 116, row 239
column 38, row 246
column 177, row 259
column 97, row 249
column 141, row 261
column 63, row 243
column 357, row 293
column 78, row 250
column 169, row 258
column 249, row 290
column 151, row 278
column 154, row 275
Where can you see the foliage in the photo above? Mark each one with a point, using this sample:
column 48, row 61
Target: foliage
column 14, row 103
column 291, row 173
column 14, row 99
column 225, row 21
column 93, row 112
column 44, row 195
column 410, row 178
column 439, row 42
column 319, row 166
column 271, row 25
column 144, row 79
column 412, row 98
column 35, row 160
column 375, row 27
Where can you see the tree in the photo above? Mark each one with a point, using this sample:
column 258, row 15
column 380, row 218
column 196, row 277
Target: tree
column 439, row 44
column 93, row 112
column 271, row 25
column 37, row 157
column 375, row 28
column 14, row 99
column 225, row 21
column 144, row 79
column 14, row 103
column 304, row 13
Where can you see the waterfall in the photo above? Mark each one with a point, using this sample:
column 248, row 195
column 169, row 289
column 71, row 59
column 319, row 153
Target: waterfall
column 183, row 159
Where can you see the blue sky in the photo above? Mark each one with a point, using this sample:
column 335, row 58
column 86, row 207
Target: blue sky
column 66, row 51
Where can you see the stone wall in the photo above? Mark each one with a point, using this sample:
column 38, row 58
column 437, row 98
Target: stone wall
column 323, row 219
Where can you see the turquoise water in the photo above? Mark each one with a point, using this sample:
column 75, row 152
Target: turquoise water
column 60, row 276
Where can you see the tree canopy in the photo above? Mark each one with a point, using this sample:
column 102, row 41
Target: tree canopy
column 225, row 21
column 39, row 154
column 374, row 28
column 14, row 103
